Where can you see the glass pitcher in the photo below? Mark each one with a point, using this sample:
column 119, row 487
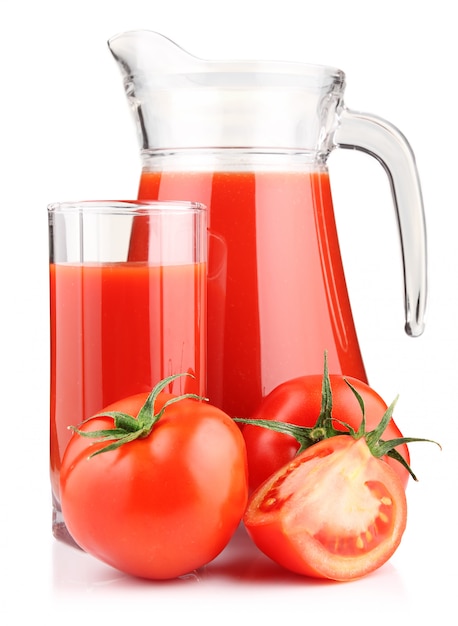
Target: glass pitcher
column 251, row 141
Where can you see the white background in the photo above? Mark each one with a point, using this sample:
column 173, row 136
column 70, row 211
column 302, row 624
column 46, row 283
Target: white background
column 66, row 133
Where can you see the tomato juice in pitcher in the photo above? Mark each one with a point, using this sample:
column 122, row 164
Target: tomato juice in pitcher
column 280, row 248
column 251, row 140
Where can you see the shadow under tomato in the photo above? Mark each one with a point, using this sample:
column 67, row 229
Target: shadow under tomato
column 241, row 560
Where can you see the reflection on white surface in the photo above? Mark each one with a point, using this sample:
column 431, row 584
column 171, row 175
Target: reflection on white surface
column 241, row 580
column 241, row 585
column 241, row 564
column 240, row 561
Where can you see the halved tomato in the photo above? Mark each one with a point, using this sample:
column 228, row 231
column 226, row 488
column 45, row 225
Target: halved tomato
column 335, row 511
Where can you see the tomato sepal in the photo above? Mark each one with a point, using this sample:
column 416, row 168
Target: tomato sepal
column 128, row 428
column 324, row 427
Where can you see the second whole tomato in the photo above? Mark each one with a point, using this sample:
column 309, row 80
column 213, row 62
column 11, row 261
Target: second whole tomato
column 298, row 401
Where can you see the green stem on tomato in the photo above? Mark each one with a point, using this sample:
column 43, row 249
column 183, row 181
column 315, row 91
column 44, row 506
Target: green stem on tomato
column 128, row 428
column 324, row 426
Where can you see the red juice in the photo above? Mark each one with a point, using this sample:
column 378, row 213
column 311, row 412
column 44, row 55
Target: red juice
column 277, row 296
column 116, row 330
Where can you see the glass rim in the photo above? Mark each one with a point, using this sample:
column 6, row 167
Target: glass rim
column 125, row 207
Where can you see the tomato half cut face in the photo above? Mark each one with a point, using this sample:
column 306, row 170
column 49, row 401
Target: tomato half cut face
column 335, row 511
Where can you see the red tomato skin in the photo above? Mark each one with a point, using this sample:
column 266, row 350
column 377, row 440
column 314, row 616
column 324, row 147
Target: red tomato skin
column 282, row 534
column 298, row 401
column 161, row 506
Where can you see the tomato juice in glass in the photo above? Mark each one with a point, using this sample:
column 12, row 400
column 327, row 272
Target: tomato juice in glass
column 118, row 327
column 277, row 296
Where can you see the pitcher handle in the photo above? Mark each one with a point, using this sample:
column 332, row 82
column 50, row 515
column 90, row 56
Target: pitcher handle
column 382, row 140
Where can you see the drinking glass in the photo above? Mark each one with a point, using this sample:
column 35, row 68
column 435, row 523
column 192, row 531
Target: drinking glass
column 120, row 325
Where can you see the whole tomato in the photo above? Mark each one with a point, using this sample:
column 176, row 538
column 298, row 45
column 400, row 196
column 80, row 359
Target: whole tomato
column 160, row 504
column 298, row 401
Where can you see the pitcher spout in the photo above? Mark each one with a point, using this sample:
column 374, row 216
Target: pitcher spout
column 141, row 52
